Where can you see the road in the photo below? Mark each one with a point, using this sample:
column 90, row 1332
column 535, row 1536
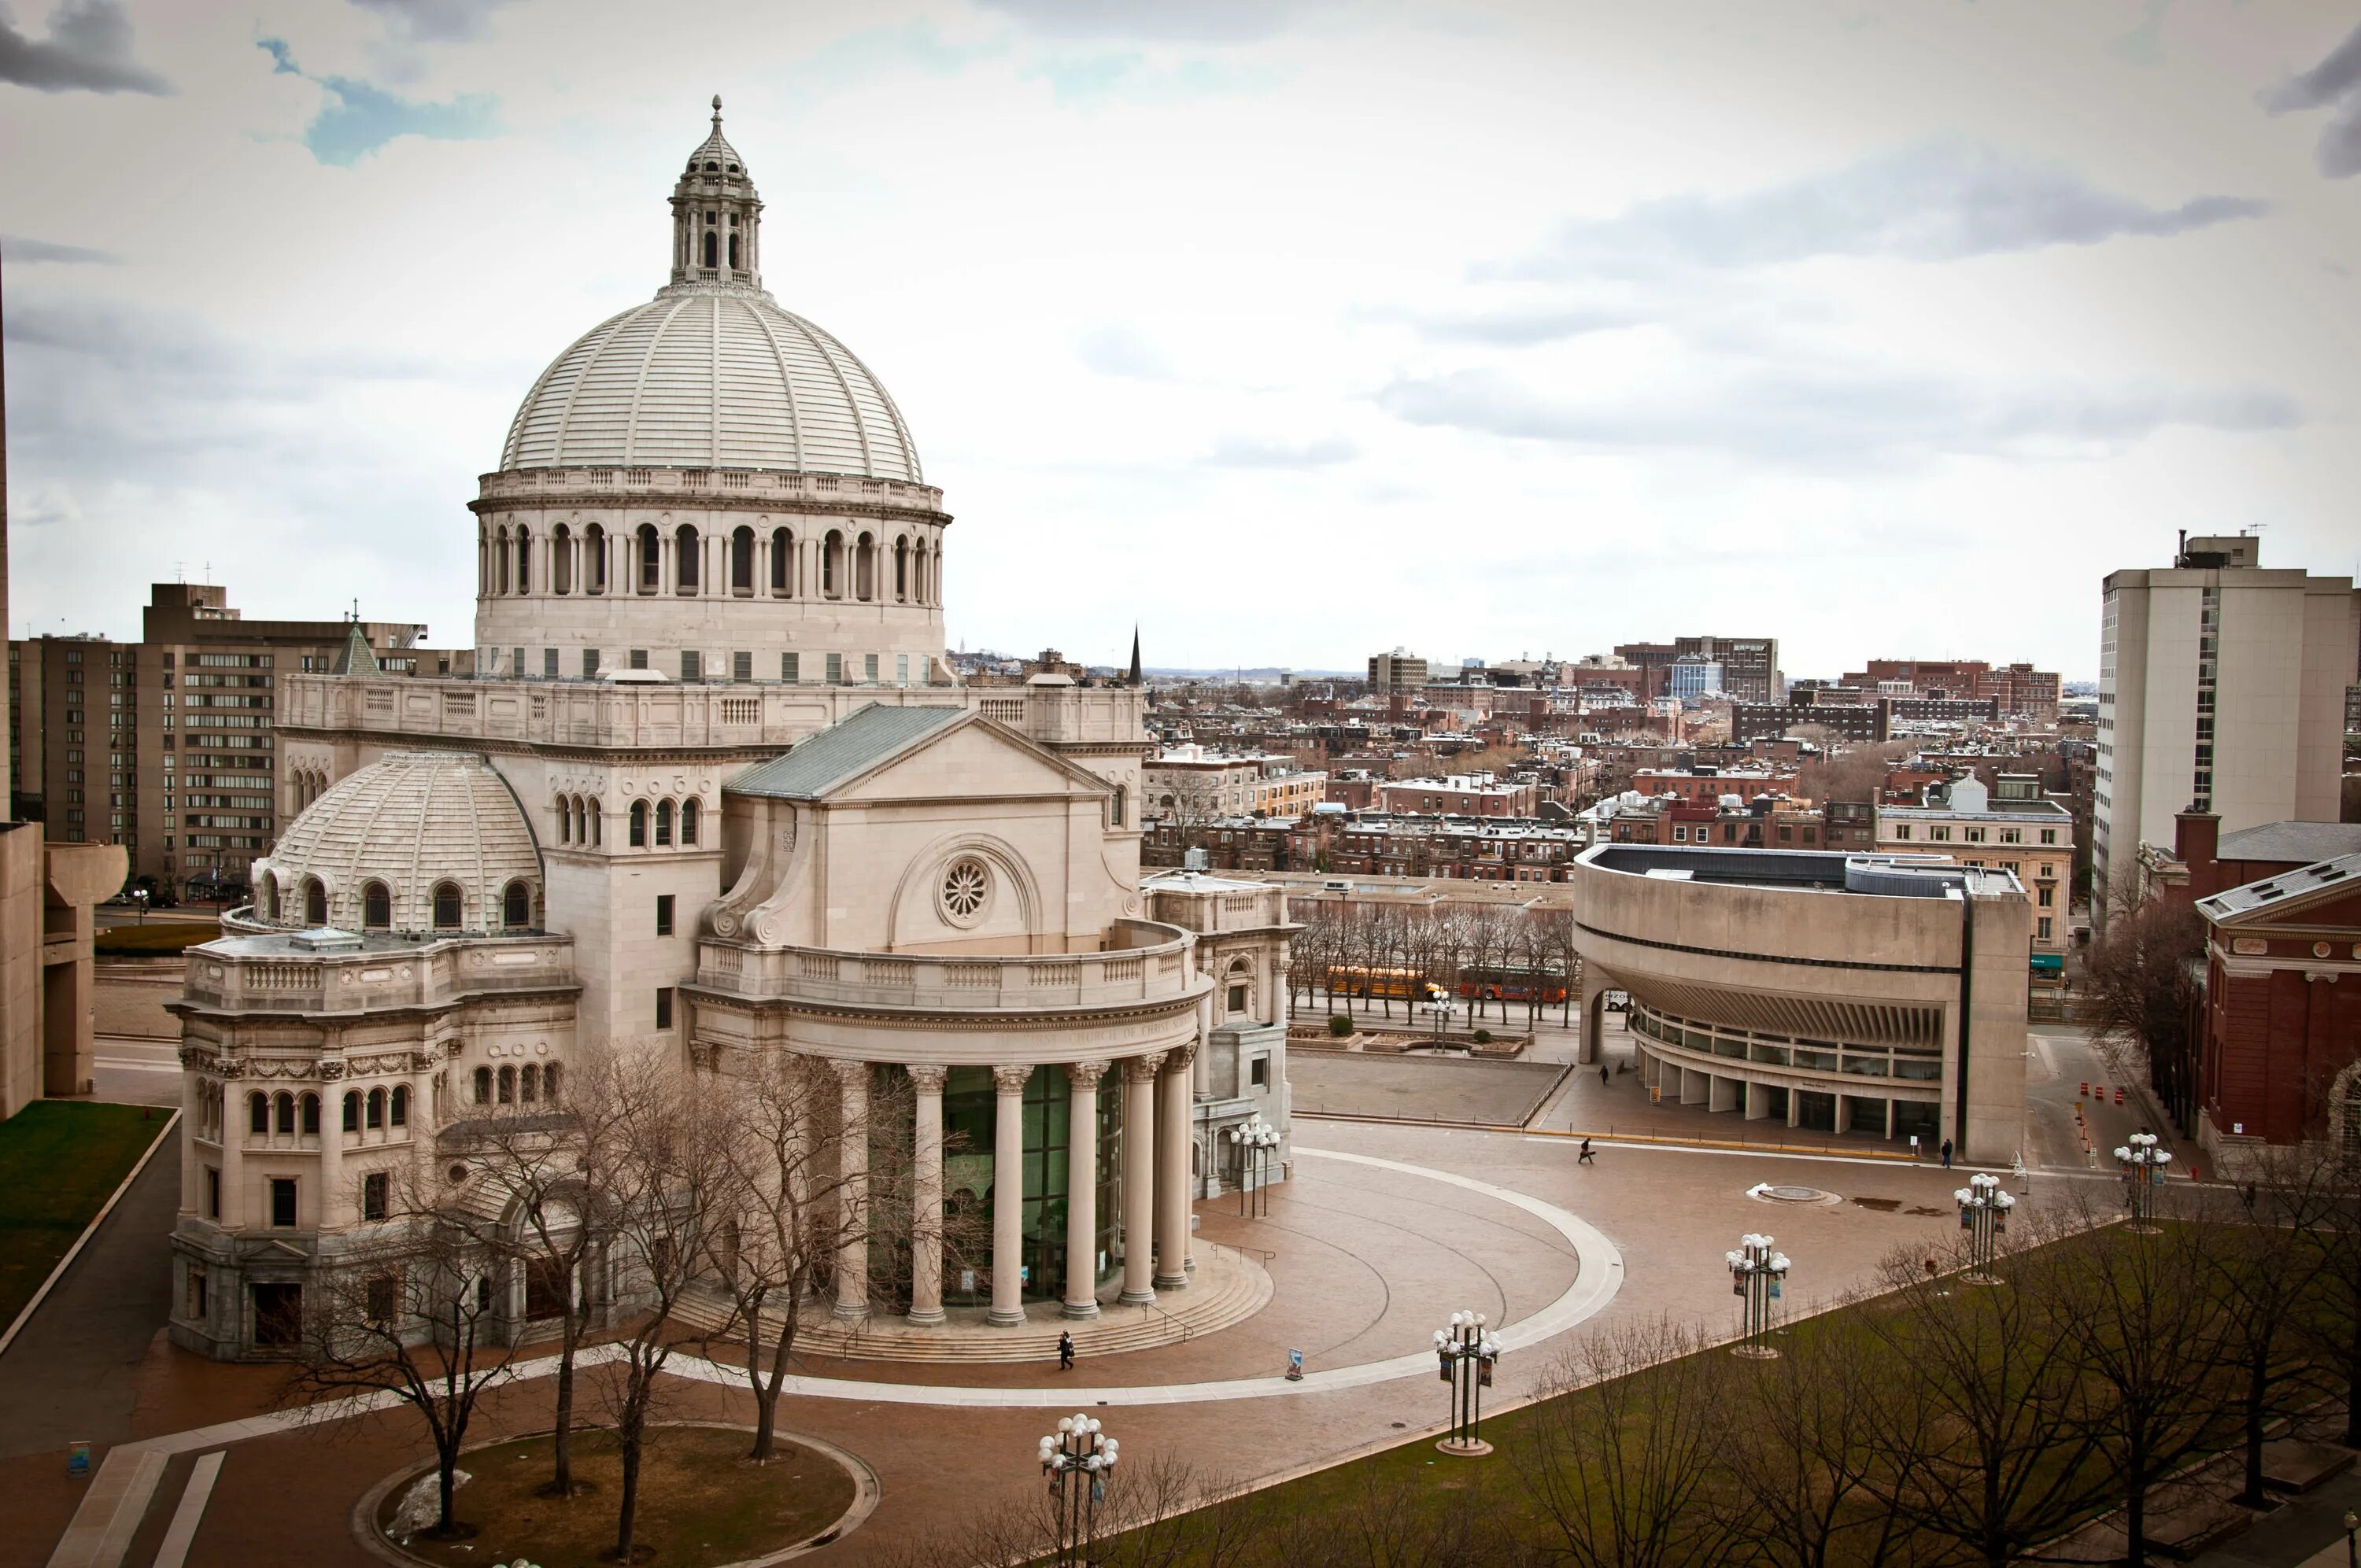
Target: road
column 138, row 1070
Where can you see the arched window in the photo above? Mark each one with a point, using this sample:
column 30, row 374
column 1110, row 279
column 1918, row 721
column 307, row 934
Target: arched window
column 524, row 561
column 376, row 1109
column 529, row 1090
column 352, row 1109
column 734, row 253
column 516, row 906
column 508, row 1086
column 742, row 562
column 712, row 248
column 651, row 559
column 549, row 1083
column 564, row 820
column 1117, row 808
column 782, row 561
column 684, row 559
column 831, row 565
column 270, row 897
column 500, row 561
column 639, row 837
column 594, row 559
column 258, row 1113
column 902, row 569
column 561, row 560
column 284, row 1104
column 483, row 1086
column 316, row 902
column 449, row 907
column 935, row 578
column 664, row 823
column 864, row 580
column 397, row 1106
column 689, row 815
column 597, row 825
column 312, row 1115
column 376, row 907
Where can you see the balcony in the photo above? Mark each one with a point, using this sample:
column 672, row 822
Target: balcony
column 1145, row 962
column 247, row 974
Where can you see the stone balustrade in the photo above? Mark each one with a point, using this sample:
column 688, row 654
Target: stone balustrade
column 659, row 485
column 1147, row 962
column 271, row 974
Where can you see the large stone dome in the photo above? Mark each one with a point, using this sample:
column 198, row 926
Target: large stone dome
column 375, row 850
column 711, row 377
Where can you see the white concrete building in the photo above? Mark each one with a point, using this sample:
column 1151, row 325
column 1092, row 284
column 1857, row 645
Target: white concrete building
column 2220, row 688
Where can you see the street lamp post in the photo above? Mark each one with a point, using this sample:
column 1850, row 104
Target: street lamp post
column 1439, row 1002
column 1466, row 1351
column 1983, row 1214
column 2142, row 1165
column 1076, row 1459
column 1255, row 1139
column 1755, row 1272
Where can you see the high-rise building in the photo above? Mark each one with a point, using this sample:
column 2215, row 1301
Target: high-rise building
column 1749, row 666
column 167, row 746
column 2221, row 689
column 1399, row 670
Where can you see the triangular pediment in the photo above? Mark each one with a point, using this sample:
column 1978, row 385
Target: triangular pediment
column 2325, row 893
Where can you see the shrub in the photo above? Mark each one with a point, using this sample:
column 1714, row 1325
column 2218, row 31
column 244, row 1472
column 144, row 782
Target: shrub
column 1339, row 1024
column 1483, row 1036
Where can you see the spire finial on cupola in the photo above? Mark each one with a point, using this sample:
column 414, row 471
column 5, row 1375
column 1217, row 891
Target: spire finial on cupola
column 717, row 111
column 715, row 216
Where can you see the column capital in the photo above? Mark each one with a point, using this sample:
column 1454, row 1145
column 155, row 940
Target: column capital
column 1143, row 1069
column 851, row 1074
column 927, row 1080
column 1179, row 1059
column 1011, row 1079
column 1086, row 1074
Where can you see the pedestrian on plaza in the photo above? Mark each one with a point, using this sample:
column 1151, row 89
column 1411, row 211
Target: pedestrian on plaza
column 1946, row 1154
column 1602, row 1075
column 1065, row 1352
column 1584, row 1158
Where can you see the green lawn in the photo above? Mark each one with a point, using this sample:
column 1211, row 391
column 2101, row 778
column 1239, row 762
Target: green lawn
column 156, row 937
column 59, row 1160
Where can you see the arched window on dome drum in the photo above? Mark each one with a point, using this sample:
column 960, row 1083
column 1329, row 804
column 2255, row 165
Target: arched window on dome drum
column 865, row 581
column 639, row 837
column 734, row 253
column 270, row 897
column 284, row 1104
column 782, row 561
column 524, row 561
column 935, row 575
column 315, row 902
column 397, row 1106
column 352, row 1111
column 561, row 560
column 831, row 565
column 500, row 561
column 258, row 1113
column 1117, row 808
column 376, row 907
column 449, row 907
column 376, row 1109
column 664, row 824
column 651, row 559
column 712, row 248
column 483, row 1086
column 516, row 906
column 683, row 558
column 310, row 1115
column 598, row 827
column 594, row 559
column 565, row 821
column 902, row 570
column 689, row 815
column 742, row 562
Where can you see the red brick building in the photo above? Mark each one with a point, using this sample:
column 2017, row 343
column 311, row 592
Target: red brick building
column 2282, row 1015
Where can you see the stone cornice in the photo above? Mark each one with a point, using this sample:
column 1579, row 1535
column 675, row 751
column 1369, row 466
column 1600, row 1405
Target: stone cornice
column 703, row 500
column 1183, row 1004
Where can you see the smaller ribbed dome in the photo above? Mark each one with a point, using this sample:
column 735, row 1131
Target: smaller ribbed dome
column 374, row 852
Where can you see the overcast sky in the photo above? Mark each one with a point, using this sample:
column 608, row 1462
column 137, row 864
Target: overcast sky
column 1291, row 330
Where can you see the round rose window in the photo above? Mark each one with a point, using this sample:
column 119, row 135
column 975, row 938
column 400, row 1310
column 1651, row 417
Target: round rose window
column 965, row 886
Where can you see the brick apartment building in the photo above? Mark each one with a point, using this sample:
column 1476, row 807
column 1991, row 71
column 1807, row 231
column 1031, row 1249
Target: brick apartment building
column 1476, row 795
column 1749, row 666
column 1709, row 784
column 2018, row 689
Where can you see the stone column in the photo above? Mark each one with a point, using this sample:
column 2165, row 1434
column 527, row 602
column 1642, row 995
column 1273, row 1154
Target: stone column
column 1082, row 1188
column 330, row 1206
column 1008, row 1196
column 852, row 1197
column 926, row 1199
column 232, row 1150
column 1139, row 1178
column 1173, row 1104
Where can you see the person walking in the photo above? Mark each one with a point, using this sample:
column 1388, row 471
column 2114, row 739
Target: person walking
column 1584, row 1158
column 1602, row 1075
column 1065, row 1351
column 1946, row 1154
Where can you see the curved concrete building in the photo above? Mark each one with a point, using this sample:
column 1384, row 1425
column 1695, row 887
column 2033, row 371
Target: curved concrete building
column 1841, row 993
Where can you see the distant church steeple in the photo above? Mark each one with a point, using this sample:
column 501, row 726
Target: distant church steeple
column 716, row 218
column 1135, row 655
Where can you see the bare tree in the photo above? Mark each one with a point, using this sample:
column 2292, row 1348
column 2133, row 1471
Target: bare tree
column 2329, row 1323
column 408, row 1314
column 2259, row 1255
column 2141, row 988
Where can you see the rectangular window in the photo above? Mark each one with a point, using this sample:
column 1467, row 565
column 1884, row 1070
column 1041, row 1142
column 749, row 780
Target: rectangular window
column 199, row 1303
column 1902, row 831
column 381, row 1291
column 2049, row 835
column 212, row 1192
column 549, row 662
column 516, row 662
column 283, row 1202
column 639, row 658
column 901, row 669
column 1258, row 1071
column 664, row 1007
column 663, row 914
column 791, row 667
column 1237, row 999
column 836, row 669
column 692, row 664
column 590, row 662
column 2044, row 927
column 741, row 666
column 373, row 1195
column 2049, row 895
column 869, row 668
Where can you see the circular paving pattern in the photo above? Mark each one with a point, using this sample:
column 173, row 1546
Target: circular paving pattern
column 1769, row 1192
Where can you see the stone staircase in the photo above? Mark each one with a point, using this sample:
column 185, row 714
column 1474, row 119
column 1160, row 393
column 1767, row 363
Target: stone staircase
column 1228, row 1288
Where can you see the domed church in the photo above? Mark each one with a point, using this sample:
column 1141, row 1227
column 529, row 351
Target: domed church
column 714, row 789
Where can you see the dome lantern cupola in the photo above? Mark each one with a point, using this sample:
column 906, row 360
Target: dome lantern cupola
column 715, row 216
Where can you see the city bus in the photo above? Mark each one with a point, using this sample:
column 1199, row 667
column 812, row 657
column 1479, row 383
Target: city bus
column 1360, row 980
column 1511, row 984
